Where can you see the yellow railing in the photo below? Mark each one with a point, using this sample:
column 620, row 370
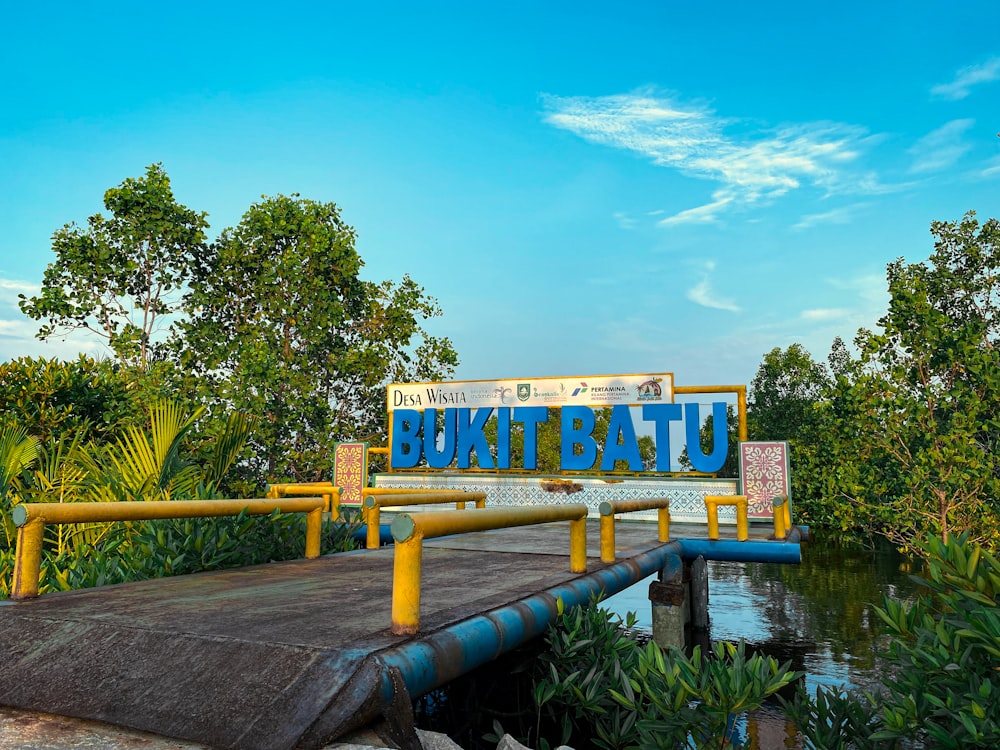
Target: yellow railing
column 376, row 498
column 31, row 519
column 327, row 490
column 410, row 530
column 782, row 516
column 609, row 508
column 712, row 503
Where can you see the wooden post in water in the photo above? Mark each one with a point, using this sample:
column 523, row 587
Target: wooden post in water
column 699, row 594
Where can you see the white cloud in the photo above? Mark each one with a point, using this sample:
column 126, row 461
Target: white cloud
column 968, row 77
column 10, row 289
column 940, row 148
column 705, row 295
column 690, row 138
column 842, row 215
column 17, row 331
column 825, row 314
column 707, row 214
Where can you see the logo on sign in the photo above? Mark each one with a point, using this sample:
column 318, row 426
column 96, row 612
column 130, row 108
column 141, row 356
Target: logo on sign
column 650, row 390
column 523, row 391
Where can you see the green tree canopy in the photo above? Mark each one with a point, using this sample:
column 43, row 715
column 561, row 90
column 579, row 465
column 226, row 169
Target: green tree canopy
column 123, row 276
column 921, row 405
column 283, row 326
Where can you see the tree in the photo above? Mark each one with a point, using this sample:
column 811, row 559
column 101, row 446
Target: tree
column 784, row 395
column 122, row 277
column 788, row 400
column 923, row 411
column 282, row 326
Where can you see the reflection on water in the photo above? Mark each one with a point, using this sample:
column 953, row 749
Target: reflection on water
column 820, row 614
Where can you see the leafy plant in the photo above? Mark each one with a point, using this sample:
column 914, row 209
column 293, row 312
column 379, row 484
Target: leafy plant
column 946, row 649
column 835, row 719
column 603, row 685
column 18, row 451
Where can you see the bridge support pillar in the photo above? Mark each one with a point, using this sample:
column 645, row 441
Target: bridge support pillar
column 679, row 599
column 670, row 600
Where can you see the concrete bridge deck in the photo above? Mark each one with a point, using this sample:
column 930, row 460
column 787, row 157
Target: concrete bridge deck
column 295, row 654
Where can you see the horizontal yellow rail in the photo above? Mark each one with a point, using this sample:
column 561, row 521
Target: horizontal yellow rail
column 410, row 529
column 609, row 509
column 327, row 490
column 31, row 519
column 376, row 498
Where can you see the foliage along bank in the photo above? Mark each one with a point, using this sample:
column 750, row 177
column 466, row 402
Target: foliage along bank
column 900, row 437
column 597, row 687
column 272, row 318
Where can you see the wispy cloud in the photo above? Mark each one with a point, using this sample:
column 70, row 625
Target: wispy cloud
column 705, row 295
column 691, row 138
column 940, row 148
column 967, row 77
column 842, row 215
column 624, row 220
column 992, row 168
column 707, row 214
column 9, row 289
column 826, row 314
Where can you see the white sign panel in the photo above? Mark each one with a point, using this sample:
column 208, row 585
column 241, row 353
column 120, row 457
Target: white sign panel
column 595, row 391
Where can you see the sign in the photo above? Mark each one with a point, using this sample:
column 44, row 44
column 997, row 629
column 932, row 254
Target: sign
column 444, row 424
column 594, row 390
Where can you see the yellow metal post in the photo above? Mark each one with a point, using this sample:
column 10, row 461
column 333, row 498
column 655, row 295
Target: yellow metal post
column 713, row 518
column 314, row 525
column 607, row 538
column 780, row 531
column 742, row 519
column 371, row 516
column 406, row 574
column 663, row 524
column 28, row 559
column 578, row 545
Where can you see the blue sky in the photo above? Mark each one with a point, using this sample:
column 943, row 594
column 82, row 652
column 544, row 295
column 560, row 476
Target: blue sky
column 586, row 188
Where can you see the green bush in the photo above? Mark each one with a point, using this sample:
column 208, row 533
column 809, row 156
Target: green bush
column 943, row 684
column 602, row 688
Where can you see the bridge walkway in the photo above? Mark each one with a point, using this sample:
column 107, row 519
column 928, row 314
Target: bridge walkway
column 295, row 654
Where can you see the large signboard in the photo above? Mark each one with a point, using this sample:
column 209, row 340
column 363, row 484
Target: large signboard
column 593, row 390
column 444, row 425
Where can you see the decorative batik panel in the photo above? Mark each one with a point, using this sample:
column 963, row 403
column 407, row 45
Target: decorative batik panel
column 350, row 470
column 765, row 472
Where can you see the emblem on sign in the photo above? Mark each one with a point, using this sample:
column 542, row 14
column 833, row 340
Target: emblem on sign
column 523, row 391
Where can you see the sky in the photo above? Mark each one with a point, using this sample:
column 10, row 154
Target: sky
column 586, row 188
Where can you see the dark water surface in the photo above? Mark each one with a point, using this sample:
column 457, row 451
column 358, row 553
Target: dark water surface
column 819, row 615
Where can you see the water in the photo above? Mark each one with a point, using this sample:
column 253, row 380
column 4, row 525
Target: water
column 819, row 615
